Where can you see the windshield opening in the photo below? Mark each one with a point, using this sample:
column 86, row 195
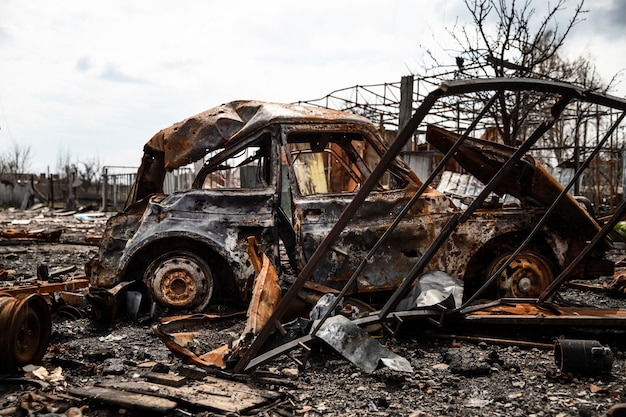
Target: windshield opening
column 334, row 163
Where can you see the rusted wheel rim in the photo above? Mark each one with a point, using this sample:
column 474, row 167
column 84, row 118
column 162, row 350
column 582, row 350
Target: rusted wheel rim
column 526, row 276
column 180, row 281
column 27, row 333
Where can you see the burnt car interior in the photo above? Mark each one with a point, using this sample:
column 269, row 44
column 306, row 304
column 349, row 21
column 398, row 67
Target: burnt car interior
column 239, row 167
column 328, row 163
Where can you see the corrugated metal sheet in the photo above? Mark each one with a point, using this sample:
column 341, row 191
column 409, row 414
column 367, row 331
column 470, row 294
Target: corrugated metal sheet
column 463, row 188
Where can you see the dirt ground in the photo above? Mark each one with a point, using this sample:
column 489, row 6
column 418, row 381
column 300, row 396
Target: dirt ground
column 451, row 377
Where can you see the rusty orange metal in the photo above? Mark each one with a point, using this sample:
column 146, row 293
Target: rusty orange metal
column 266, row 292
column 41, row 287
column 529, row 181
column 39, row 235
column 26, row 326
column 266, row 295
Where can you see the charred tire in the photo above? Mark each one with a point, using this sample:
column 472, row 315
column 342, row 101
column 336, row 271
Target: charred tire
column 525, row 277
column 180, row 280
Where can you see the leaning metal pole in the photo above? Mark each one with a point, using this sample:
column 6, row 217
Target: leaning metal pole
column 408, row 281
column 369, row 184
column 446, row 89
column 546, row 215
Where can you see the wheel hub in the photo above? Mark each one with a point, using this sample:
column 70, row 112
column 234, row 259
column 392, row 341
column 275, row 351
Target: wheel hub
column 180, row 282
column 526, row 276
column 525, row 285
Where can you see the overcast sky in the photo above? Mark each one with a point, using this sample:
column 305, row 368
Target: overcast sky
column 96, row 79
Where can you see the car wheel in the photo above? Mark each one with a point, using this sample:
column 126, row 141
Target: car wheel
column 180, row 280
column 525, row 277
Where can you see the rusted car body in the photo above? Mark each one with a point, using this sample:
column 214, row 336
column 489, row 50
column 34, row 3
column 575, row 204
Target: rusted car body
column 284, row 174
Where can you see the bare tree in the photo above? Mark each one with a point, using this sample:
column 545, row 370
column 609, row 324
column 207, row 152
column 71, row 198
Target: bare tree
column 505, row 39
column 64, row 164
column 16, row 160
column 89, row 172
column 508, row 38
column 83, row 173
column 513, row 38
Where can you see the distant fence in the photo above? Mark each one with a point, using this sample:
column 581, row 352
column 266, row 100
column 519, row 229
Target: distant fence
column 14, row 194
column 179, row 179
column 117, row 182
column 24, row 190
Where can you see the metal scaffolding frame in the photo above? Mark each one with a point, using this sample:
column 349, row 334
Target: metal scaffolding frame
column 603, row 185
column 565, row 95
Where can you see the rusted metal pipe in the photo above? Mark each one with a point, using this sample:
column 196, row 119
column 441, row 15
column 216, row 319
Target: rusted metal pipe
column 495, row 341
column 25, row 327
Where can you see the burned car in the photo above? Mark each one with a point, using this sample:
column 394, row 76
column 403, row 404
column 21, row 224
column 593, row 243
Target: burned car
column 284, row 174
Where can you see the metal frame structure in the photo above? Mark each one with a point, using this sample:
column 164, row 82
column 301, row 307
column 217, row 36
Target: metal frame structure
column 382, row 104
column 495, row 87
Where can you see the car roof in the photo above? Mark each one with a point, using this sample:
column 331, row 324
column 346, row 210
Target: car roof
column 189, row 140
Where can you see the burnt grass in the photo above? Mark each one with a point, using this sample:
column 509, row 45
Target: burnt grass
column 451, row 377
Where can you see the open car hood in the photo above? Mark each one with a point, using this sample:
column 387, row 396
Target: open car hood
column 528, row 180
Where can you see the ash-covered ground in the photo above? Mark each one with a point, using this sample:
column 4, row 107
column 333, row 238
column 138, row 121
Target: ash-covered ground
column 451, row 377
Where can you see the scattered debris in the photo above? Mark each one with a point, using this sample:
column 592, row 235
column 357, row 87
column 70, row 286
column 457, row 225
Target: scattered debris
column 168, row 379
column 586, row 357
column 12, row 235
column 354, row 344
column 434, row 288
column 42, row 287
column 265, row 297
column 127, row 400
column 212, row 394
column 54, row 378
column 617, row 286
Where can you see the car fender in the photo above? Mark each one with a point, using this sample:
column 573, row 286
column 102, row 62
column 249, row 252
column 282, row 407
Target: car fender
column 237, row 261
